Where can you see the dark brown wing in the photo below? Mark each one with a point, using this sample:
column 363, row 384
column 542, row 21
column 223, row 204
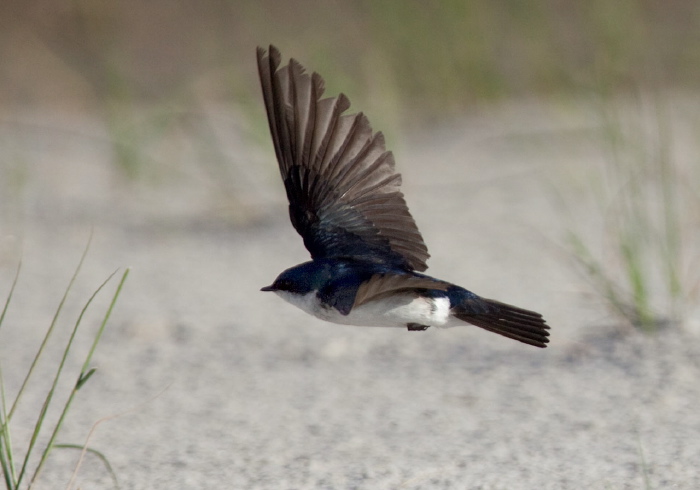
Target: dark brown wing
column 380, row 285
column 343, row 191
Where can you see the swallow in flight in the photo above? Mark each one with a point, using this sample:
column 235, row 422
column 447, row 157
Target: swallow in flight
column 344, row 200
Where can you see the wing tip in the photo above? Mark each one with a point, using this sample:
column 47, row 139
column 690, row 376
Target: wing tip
column 272, row 53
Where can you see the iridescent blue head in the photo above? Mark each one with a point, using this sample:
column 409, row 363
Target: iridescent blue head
column 303, row 278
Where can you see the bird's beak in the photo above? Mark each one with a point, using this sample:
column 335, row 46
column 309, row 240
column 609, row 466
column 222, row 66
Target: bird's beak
column 269, row 288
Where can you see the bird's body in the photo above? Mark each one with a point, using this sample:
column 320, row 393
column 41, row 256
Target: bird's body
column 399, row 310
column 334, row 301
column 345, row 202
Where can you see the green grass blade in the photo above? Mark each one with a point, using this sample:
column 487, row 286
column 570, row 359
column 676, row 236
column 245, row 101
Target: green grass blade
column 48, row 332
column 6, row 452
column 85, row 372
column 104, row 322
column 49, row 396
column 637, row 280
column 9, row 295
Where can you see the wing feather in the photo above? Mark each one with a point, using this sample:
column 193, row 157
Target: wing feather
column 384, row 284
column 344, row 194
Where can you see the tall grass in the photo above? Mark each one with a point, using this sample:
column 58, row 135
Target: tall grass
column 17, row 469
column 646, row 201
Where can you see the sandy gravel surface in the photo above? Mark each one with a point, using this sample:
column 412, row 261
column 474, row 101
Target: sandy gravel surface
column 222, row 386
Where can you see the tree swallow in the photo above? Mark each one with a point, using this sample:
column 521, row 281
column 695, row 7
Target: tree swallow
column 344, row 200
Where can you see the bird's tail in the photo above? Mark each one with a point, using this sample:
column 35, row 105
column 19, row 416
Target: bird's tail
column 510, row 321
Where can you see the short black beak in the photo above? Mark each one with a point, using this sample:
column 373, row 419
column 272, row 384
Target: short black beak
column 269, row 288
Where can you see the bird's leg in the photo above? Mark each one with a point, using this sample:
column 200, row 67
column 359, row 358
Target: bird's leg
column 416, row 327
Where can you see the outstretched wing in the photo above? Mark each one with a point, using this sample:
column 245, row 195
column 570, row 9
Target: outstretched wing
column 343, row 191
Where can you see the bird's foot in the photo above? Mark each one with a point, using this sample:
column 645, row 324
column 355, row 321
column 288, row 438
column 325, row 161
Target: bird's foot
column 416, row 327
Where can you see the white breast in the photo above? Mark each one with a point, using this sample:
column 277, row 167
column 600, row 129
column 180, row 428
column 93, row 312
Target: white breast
column 395, row 311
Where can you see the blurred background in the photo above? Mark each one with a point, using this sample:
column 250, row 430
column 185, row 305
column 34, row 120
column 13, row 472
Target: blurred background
column 427, row 58
column 562, row 136
column 147, row 69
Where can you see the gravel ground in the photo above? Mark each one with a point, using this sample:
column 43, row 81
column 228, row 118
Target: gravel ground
column 218, row 385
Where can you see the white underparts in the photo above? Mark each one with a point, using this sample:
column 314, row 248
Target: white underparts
column 394, row 311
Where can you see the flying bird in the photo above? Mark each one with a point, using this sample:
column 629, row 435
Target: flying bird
column 345, row 201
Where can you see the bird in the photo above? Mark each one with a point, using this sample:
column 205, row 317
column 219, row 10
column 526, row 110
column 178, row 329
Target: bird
column 367, row 255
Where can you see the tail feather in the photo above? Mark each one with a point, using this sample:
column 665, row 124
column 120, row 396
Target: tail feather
column 510, row 321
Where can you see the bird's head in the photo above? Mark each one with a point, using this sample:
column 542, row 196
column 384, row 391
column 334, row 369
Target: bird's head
column 299, row 280
column 287, row 283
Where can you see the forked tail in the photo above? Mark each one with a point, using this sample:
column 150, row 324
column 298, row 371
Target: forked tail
column 510, row 321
